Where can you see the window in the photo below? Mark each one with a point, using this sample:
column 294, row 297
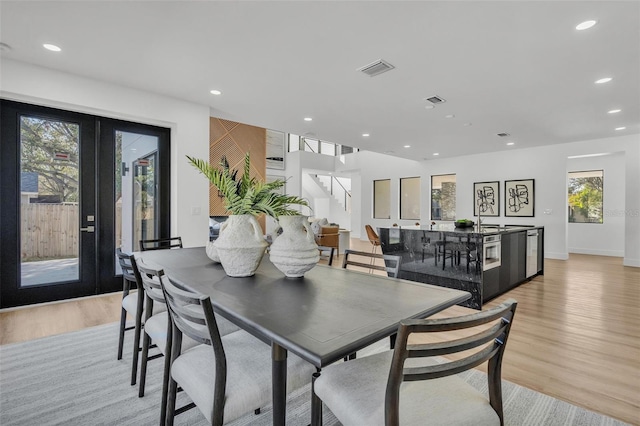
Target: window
column 585, row 194
column 382, row 199
column 443, row 197
column 311, row 145
column 410, row 198
column 294, row 142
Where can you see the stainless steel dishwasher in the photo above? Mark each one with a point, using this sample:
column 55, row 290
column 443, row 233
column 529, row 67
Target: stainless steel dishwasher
column 532, row 253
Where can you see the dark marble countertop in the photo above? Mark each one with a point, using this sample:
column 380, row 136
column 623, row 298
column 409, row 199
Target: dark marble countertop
column 486, row 230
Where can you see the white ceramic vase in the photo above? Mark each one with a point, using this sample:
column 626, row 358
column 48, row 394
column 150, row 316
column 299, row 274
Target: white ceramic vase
column 240, row 246
column 294, row 252
column 212, row 252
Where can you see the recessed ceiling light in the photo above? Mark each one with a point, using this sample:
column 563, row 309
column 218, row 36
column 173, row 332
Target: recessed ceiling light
column 449, row 116
column 308, row 119
column 604, row 80
column 620, row 128
column 510, row 143
column 436, row 153
column 51, row 47
column 215, row 92
column 428, row 106
column 365, row 135
column 407, row 146
column 614, row 111
column 586, row 25
column 467, row 124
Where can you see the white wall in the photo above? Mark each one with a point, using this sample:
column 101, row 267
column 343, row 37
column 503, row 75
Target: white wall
column 606, row 239
column 548, row 165
column 189, row 125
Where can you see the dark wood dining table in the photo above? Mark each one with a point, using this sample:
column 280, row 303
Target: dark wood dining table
column 322, row 317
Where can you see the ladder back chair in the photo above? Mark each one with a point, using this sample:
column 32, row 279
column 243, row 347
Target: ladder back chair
column 132, row 304
column 157, row 329
column 368, row 390
column 225, row 376
column 161, row 243
column 391, row 266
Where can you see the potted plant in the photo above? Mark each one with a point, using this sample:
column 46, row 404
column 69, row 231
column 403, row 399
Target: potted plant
column 241, row 245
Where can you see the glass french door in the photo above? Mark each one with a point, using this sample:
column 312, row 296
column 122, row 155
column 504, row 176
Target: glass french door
column 57, row 222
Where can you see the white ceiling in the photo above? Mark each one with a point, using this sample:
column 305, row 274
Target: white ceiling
column 519, row 67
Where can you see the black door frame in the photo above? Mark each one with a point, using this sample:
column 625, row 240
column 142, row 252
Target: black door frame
column 96, row 195
column 108, row 280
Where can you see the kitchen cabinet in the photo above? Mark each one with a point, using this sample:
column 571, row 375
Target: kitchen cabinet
column 514, row 258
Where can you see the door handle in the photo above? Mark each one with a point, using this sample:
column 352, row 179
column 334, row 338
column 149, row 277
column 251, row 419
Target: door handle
column 90, row 228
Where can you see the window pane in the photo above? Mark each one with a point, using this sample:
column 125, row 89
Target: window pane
column 327, row 148
column 443, row 197
column 311, row 145
column 294, row 143
column 49, row 211
column 410, row 198
column 585, row 194
column 382, row 199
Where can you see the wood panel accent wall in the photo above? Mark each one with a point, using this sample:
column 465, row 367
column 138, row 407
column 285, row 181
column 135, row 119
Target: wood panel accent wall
column 234, row 140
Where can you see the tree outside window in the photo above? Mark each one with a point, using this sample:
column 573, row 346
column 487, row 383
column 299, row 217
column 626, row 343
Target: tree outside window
column 585, row 195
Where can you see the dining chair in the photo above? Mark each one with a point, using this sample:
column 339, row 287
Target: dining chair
column 374, row 239
column 225, row 376
column 413, row 384
column 161, row 243
column 133, row 305
column 391, row 266
column 157, row 329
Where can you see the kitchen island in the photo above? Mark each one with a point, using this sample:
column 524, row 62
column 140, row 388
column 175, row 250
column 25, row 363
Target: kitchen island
column 486, row 263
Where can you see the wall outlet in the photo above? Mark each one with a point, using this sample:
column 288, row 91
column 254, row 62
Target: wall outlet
column 195, row 211
column 548, row 211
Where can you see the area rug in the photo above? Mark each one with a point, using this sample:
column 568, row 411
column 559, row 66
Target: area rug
column 75, row 379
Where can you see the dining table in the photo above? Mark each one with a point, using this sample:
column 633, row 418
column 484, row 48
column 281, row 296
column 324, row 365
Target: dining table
column 322, row 317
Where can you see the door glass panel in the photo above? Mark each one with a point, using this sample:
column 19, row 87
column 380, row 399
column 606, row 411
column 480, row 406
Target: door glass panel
column 135, row 190
column 49, row 197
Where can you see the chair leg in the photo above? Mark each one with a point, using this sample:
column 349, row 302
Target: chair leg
column 316, row 403
column 123, row 324
column 136, row 339
column 143, row 364
column 165, row 379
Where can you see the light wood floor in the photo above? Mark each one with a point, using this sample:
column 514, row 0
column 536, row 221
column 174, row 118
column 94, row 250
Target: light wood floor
column 576, row 334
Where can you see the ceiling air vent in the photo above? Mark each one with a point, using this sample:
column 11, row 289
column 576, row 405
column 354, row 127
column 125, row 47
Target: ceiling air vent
column 503, row 135
column 435, row 100
column 377, row 67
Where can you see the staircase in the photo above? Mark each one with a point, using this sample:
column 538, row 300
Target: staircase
column 338, row 188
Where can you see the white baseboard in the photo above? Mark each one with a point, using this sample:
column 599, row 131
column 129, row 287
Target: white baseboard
column 558, row 256
column 596, row 252
column 631, row 262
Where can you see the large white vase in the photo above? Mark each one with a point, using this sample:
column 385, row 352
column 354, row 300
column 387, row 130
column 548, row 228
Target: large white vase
column 241, row 245
column 294, row 252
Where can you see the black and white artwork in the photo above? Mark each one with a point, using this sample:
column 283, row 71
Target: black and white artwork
column 518, row 198
column 486, row 199
column 275, row 149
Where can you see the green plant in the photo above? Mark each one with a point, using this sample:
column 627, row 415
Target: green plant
column 247, row 195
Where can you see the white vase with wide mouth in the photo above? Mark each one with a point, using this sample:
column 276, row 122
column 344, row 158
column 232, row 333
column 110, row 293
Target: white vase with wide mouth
column 240, row 246
column 295, row 251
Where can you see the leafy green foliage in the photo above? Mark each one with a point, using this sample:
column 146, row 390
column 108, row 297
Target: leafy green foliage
column 40, row 140
column 585, row 199
column 247, row 195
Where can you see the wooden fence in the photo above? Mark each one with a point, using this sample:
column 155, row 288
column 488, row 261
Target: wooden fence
column 51, row 231
column 48, row 231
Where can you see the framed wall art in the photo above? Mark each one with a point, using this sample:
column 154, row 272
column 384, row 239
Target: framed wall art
column 519, row 198
column 486, row 199
column 276, row 143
